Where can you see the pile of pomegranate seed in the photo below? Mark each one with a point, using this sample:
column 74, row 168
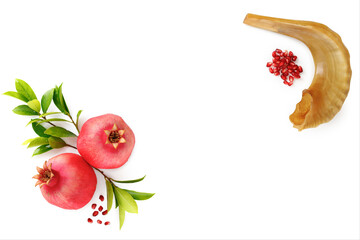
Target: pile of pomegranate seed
column 283, row 64
column 95, row 213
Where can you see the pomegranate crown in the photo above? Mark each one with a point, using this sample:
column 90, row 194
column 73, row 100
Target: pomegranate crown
column 45, row 174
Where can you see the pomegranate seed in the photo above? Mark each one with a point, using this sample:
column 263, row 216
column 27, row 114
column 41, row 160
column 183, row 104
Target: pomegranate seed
column 95, row 213
column 104, row 212
column 283, row 65
column 93, row 206
column 101, row 197
column 90, row 220
column 107, row 223
column 99, row 221
column 100, row 208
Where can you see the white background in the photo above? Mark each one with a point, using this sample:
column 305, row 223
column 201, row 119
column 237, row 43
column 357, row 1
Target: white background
column 211, row 123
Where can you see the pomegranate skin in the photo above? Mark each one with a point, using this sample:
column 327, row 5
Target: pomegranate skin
column 73, row 184
column 94, row 146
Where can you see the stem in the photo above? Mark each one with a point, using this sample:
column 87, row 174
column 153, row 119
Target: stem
column 108, row 178
column 74, row 123
column 71, row 146
column 49, row 122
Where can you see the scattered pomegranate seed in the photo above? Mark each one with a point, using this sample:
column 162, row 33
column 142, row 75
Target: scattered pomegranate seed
column 93, row 206
column 99, row 221
column 283, row 64
column 107, row 223
column 104, row 212
column 100, row 208
column 90, row 220
column 95, row 213
column 101, row 197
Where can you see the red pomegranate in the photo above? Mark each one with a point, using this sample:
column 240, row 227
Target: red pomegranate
column 106, row 141
column 67, row 181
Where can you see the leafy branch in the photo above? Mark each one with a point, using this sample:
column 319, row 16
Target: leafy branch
column 49, row 138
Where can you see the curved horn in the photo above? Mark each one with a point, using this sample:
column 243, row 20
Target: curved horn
column 330, row 86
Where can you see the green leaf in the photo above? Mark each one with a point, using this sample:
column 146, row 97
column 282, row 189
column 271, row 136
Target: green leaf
column 130, row 181
column 125, row 200
column 34, row 105
column 56, row 99
column 54, row 120
column 46, row 100
column 16, row 95
column 42, row 149
column 49, row 113
column 116, row 200
column 77, row 117
column 59, row 132
column 25, row 110
column 33, row 120
column 39, row 130
column 24, row 89
column 56, row 142
column 110, row 194
column 62, row 100
column 139, row 195
column 39, row 141
column 121, row 216
column 28, row 141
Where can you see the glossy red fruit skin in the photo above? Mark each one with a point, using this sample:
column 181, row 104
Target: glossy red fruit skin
column 73, row 184
column 92, row 145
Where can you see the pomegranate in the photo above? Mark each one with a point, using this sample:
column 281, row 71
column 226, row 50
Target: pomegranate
column 106, row 141
column 66, row 181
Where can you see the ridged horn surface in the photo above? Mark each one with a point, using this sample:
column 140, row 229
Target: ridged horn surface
column 330, row 86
